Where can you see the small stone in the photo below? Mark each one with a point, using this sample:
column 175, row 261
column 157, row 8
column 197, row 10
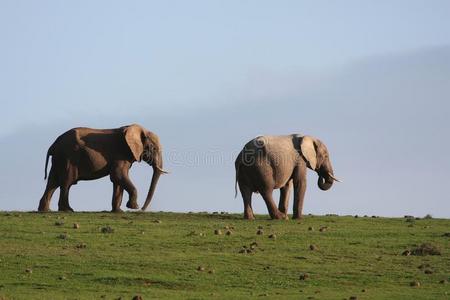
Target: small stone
column 253, row 245
column 200, row 269
column 414, row 283
column 62, row 277
column 229, row 232
column 217, row 232
column 76, row 226
column 310, row 228
column 211, row 271
column 312, row 247
column 324, row 228
column 260, row 232
column 304, row 276
column 28, row 271
column 62, row 236
column 81, row 246
column 137, row 297
column 406, row 253
column 273, row 236
column 107, row 229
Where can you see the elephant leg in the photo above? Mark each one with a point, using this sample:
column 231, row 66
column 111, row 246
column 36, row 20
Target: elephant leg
column 284, row 198
column 247, row 197
column 117, row 197
column 119, row 176
column 52, row 185
column 63, row 204
column 69, row 179
column 272, row 208
column 299, row 194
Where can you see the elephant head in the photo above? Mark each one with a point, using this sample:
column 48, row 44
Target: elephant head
column 316, row 155
column 144, row 145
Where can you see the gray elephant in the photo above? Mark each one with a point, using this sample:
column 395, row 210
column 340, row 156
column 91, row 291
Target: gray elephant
column 87, row 154
column 277, row 162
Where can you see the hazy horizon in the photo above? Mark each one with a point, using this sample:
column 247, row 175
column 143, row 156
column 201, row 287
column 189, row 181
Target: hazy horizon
column 370, row 79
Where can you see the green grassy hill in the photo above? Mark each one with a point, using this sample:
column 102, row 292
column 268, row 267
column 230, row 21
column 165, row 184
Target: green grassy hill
column 169, row 255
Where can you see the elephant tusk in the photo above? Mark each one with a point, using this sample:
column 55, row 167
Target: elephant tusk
column 161, row 170
column 334, row 178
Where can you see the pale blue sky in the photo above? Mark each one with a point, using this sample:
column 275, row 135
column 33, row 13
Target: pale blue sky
column 340, row 70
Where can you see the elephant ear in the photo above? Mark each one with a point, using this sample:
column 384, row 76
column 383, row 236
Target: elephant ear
column 309, row 151
column 133, row 137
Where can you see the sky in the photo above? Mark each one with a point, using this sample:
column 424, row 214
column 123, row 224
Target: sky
column 369, row 78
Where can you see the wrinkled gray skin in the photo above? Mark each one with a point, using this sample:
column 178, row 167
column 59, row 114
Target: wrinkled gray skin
column 277, row 162
column 88, row 154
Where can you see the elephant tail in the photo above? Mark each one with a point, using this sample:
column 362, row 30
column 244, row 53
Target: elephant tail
column 237, row 164
column 49, row 152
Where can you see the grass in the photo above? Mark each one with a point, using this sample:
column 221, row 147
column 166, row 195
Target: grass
column 43, row 257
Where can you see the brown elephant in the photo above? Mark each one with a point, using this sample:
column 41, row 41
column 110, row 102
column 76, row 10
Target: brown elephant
column 87, row 154
column 277, row 162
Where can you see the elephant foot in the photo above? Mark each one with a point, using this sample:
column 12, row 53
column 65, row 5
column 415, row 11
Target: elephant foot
column 65, row 209
column 132, row 204
column 249, row 217
column 281, row 216
column 297, row 217
column 116, row 210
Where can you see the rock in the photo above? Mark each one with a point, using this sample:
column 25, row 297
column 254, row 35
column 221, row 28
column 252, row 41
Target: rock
column 443, row 281
column 229, row 232
column 273, row 236
column 406, row 253
column 157, row 221
column 81, row 246
column 253, row 245
column 428, row 271
column 137, row 297
column 200, row 269
column 414, row 283
column 310, row 228
column 63, row 236
column 107, row 229
column 62, row 277
column 313, row 247
column 260, row 232
column 353, row 298
column 28, row 271
column 426, row 249
column 76, row 226
column 304, row 276
column 211, row 271
column 324, row 228
column 217, row 232
column 363, row 290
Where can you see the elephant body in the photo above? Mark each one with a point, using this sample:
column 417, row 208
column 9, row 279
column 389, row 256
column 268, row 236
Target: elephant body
column 88, row 154
column 277, row 162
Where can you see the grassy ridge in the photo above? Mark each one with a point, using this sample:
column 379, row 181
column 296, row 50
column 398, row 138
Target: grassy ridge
column 157, row 255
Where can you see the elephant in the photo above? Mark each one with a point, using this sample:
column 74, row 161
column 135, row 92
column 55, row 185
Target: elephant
column 87, row 154
column 278, row 162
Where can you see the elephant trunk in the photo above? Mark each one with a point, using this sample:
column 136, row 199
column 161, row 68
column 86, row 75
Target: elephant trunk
column 325, row 183
column 157, row 171
column 151, row 190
